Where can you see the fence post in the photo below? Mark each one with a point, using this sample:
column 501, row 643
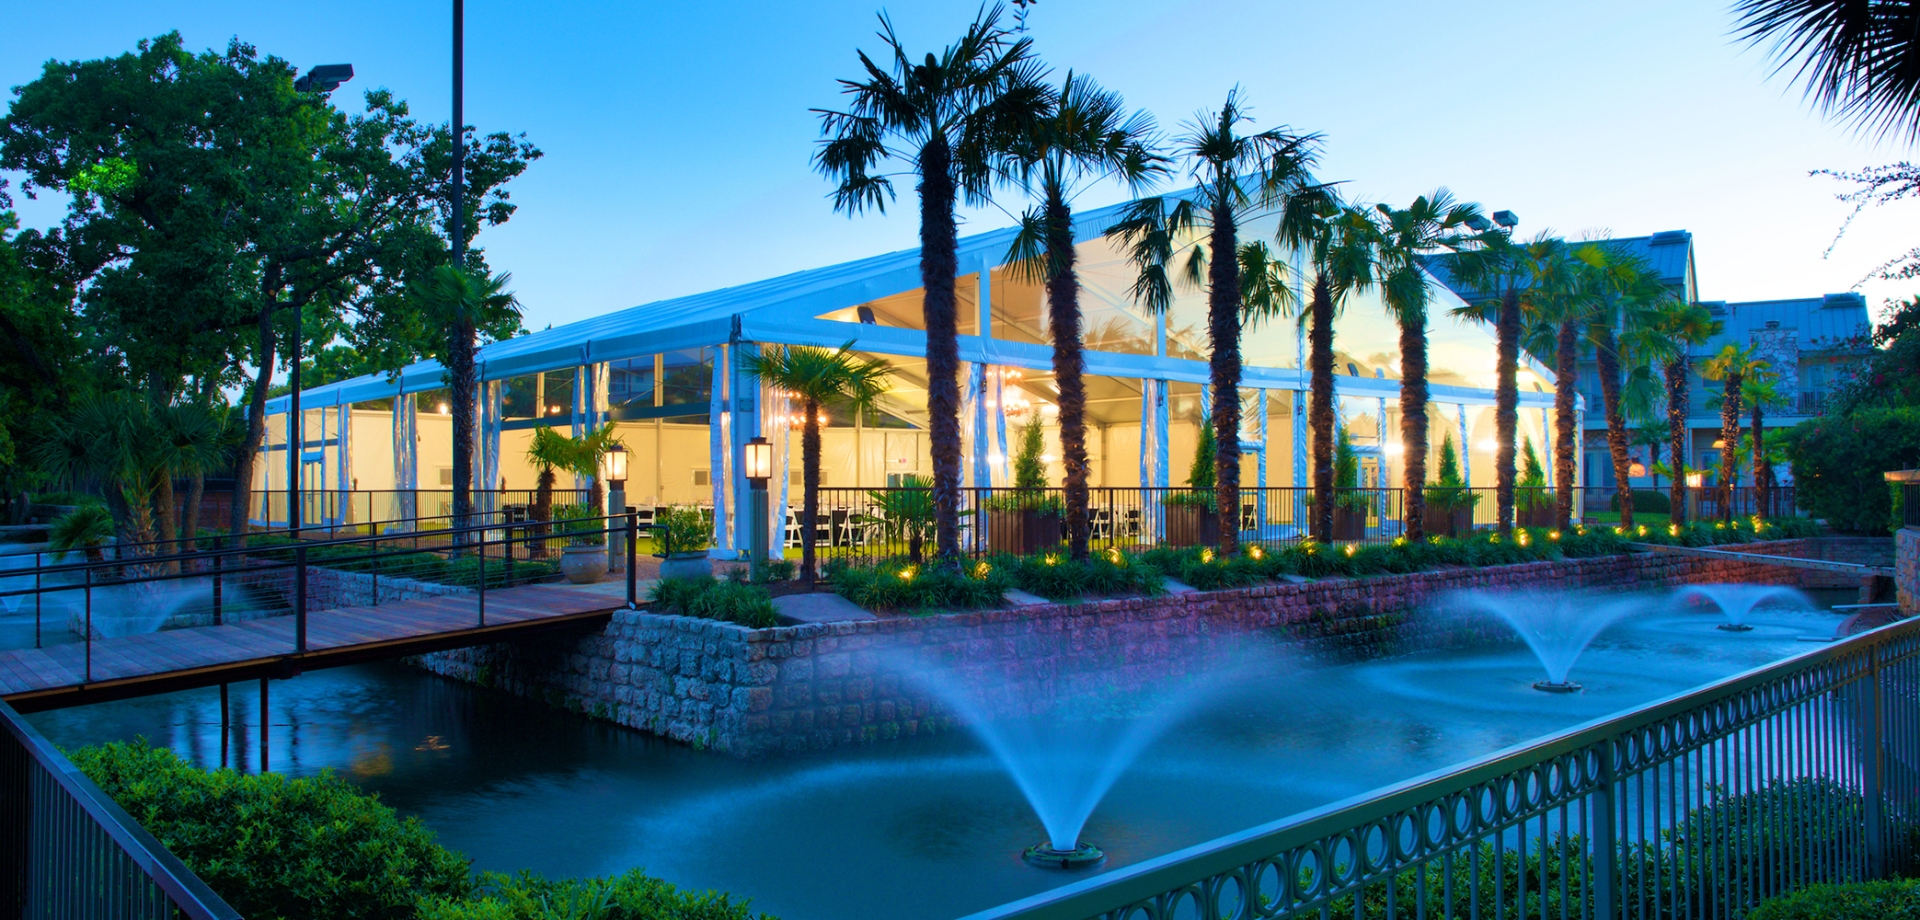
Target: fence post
column 633, row 578
column 217, row 581
column 483, row 575
column 37, row 590
column 1872, row 761
column 506, row 547
column 299, row 597
column 1606, row 839
column 87, row 589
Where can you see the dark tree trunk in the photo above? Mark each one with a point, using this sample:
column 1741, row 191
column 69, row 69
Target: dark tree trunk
column 1566, row 429
column 1607, row 356
column 809, row 488
column 1676, row 374
column 256, row 427
column 1762, row 470
column 190, row 514
column 1320, row 410
column 1414, row 424
column 166, row 520
column 938, row 241
column 462, row 387
column 1506, row 406
column 1069, row 367
column 1223, row 332
column 542, row 512
column 1729, row 442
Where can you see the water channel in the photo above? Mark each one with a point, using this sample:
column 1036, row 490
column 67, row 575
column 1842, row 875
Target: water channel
column 923, row 827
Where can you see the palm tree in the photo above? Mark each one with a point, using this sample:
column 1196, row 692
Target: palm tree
column 1686, row 325
column 589, row 451
column 1621, row 294
column 945, row 115
column 1085, row 136
column 547, row 451
column 1406, row 237
column 462, row 301
column 1856, row 59
column 189, row 439
column 1730, row 367
column 1340, row 244
column 1238, row 174
column 1760, row 393
column 1553, row 311
column 817, row 377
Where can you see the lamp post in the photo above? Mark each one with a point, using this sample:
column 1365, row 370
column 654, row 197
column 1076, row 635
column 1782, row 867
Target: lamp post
column 756, row 461
column 322, row 79
column 1695, row 480
column 616, row 505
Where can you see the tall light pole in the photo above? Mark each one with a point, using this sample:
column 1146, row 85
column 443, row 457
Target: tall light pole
column 457, row 241
column 322, row 79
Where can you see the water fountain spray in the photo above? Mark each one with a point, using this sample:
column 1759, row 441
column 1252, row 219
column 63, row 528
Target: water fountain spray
column 1736, row 601
column 1556, row 627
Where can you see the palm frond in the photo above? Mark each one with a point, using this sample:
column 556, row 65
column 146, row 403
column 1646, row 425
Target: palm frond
column 1856, row 60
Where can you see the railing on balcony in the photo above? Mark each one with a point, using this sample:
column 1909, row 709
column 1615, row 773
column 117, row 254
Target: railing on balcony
column 67, row 850
column 1811, row 402
column 1700, row 806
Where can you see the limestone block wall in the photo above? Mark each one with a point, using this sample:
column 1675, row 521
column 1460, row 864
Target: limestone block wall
column 791, row 688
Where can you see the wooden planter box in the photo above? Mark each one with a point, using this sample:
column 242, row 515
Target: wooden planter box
column 1192, row 525
column 1024, row 533
column 1455, row 523
column 1538, row 517
column 1349, row 525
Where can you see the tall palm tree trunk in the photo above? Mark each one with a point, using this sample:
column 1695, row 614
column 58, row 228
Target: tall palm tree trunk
column 809, row 488
column 1607, row 356
column 1762, row 470
column 1506, row 405
column 1320, row 411
column 1413, row 425
column 1069, row 366
column 1223, row 331
column 463, row 386
column 190, row 513
column 1676, row 380
column 1566, row 429
column 938, row 240
column 1729, row 442
column 166, row 517
column 542, row 512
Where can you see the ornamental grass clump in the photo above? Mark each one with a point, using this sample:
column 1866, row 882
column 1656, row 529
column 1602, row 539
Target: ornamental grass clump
column 896, row 584
column 1056, row 576
column 709, row 598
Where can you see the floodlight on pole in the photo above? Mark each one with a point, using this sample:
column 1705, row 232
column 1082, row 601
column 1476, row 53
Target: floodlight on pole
column 324, row 78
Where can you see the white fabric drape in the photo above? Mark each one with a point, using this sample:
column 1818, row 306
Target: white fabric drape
column 717, row 459
column 406, row 460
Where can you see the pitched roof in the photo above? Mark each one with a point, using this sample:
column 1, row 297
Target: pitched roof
column 1822, row 322
column 1669, row 254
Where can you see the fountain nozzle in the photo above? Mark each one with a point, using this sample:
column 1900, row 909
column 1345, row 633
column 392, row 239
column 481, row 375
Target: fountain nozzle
column 1084, row 855
column 1564, row 686
column 1734, row 627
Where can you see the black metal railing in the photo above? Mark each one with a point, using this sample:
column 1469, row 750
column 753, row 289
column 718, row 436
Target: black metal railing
column 79, row 600
column 68, row 850
column 378, row 510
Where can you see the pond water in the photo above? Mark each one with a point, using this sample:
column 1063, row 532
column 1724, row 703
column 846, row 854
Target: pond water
column 923, row 827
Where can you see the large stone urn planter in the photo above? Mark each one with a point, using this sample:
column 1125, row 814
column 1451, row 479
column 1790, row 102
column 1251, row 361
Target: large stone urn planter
column 686, row 564
column 1192, row 525
column 1024, row 533
column 1443, row 523
column 583, row 565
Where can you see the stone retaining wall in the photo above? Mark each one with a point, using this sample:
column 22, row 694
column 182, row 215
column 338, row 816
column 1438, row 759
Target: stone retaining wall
column 791, row 688
column 1906, row 569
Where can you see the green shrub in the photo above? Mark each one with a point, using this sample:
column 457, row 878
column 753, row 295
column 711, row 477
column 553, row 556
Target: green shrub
column 275, row 847
column 687, row 530
column 1645, row 501
column 577, row 525
column 711, row 599
column 1838, row 463
column 1056, row 576
column 1449, row 492
column 1878, row 900
column 895, row 584
column 1201, row 477
column 86, row 528
column 633, row 896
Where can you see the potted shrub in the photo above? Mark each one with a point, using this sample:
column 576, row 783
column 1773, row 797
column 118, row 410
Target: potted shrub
column 1351, row 504
column 1028, row 520
column 1533, row 502
column 583, row 558
column 686, row 536
column 1192, row 516
column 908, row 512
column 1449, row 502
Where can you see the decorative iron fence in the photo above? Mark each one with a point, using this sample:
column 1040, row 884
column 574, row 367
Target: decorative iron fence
column 377, row 510
column 68, row 850
column 1699, row 806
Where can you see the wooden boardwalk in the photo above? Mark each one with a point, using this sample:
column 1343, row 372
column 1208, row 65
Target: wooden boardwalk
column 178, row 659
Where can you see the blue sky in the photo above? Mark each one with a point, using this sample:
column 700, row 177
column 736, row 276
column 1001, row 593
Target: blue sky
column 678, row 135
